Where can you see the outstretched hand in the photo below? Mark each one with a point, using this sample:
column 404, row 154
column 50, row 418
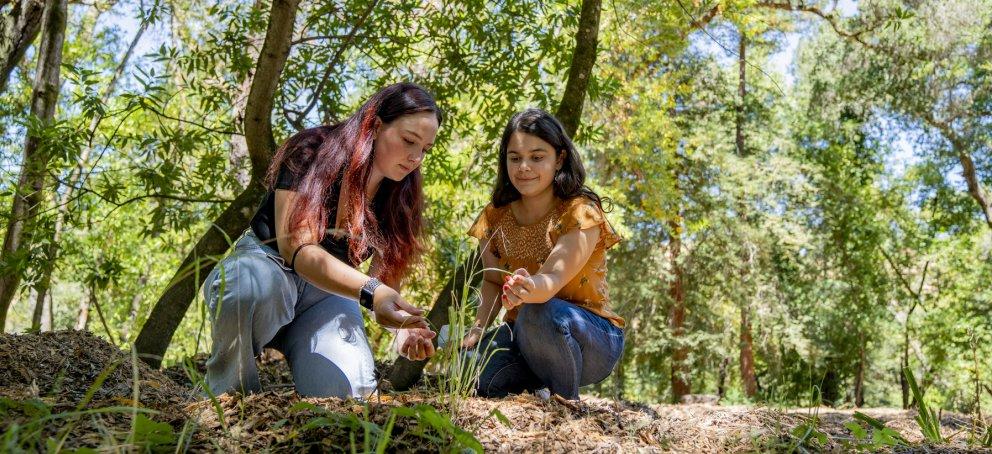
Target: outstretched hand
column 517, row 289
column 472, row 337
column 392, row 311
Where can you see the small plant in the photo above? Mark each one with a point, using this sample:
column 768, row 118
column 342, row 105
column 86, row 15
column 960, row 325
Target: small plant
column 430, row 425
column 872, row 435
column 375, row 438
column 459, row 369
column 808, row 434
column 928, row 421
column 439, row 429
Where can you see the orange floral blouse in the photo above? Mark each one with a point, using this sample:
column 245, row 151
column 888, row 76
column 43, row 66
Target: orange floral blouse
column 528, row 246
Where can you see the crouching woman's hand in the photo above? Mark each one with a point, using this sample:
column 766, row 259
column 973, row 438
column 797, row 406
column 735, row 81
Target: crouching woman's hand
column 415, row 344
column 392, row 311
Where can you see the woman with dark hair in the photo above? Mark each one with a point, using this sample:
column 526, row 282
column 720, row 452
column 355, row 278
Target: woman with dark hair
column 548, row 229
column 338, row 195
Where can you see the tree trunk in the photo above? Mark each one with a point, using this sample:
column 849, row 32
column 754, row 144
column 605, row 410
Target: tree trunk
column 960, row 146
column 721, row 381
column 83, row 316
column 974, row 184
column 53, row 249
column 38, row 315
column 132, row 318
column 156, row 334
column 405, row 373
column 580, row 72
column 31, row 183
column 903, row 384
column 676, row 317
column 748, row 378
column 620, row 377
column 859, row 377
column 18, row 28
column 742, row 93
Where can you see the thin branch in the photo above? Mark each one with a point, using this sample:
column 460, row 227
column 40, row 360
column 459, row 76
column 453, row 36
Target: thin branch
column 332, row 65
column 829, row 17
column 308, row 39
column 189, row 122
column 703, row 21
column 902, row 279
column 923, row 278
column 103, row 320
column 729, row 51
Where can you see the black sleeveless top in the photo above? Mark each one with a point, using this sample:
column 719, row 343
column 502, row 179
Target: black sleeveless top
column 335, row 242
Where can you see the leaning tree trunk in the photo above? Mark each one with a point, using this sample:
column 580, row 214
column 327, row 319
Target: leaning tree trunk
column 168, row 312
column 43, row 302
column 975, row 189
column 405, row 372
column 960, row 146
column 583, row 60
column 18, row 28
column 31, row 183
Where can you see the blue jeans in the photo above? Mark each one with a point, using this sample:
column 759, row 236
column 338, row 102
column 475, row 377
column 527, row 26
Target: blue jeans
column 557, row 345
column 255, row 301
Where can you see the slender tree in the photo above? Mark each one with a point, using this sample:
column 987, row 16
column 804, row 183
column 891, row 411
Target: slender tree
column 33, row 179
column 52, row 249
column 18, row 29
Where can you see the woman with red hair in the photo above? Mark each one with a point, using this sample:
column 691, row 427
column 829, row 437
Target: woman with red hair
column 338, row 195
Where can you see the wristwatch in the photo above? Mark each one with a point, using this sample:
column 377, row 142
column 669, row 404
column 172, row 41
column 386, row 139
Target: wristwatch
column 365, row 296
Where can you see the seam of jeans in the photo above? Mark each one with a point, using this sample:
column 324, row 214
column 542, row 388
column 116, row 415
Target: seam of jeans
column 606, row 331
column 496, row 374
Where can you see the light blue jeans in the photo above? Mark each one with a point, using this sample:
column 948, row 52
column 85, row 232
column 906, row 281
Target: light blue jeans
column 256, row 301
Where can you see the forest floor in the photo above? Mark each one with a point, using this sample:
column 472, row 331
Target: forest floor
column 72, row 389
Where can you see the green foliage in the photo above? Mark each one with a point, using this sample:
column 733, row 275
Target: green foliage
column 928, row 420
column 845, row 229
column 871, row 434
column 423, row 421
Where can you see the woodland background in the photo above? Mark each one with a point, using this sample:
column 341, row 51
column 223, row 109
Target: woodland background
column 802, row 187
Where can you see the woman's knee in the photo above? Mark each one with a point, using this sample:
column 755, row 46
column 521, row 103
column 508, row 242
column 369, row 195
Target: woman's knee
column 329, row 351
column 242, row 282
column 550, row 318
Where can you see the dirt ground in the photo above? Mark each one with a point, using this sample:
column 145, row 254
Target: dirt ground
column 59, row 370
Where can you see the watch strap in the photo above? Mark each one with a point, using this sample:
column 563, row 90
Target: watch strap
column 365, row 297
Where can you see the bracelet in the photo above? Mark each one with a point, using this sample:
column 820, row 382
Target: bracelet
column 292, row 263
column 368, row 290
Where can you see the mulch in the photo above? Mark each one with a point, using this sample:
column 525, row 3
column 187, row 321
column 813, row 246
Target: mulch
column 59, row 369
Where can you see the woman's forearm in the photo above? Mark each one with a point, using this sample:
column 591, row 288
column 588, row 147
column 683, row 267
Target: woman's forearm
column 546, row 286
column 328, row 273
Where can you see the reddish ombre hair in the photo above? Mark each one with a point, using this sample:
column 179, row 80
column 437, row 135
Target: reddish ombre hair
column 344, row 150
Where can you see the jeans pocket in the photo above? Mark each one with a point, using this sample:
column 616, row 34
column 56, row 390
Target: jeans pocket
column 278, row 260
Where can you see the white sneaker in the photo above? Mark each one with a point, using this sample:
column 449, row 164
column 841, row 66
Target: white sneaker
column 543, row 394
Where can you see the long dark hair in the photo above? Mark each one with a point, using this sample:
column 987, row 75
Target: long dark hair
column 569, row 180
column 344, row 150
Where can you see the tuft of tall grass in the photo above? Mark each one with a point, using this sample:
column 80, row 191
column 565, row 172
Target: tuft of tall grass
column 927, row 419
column 460, row 369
